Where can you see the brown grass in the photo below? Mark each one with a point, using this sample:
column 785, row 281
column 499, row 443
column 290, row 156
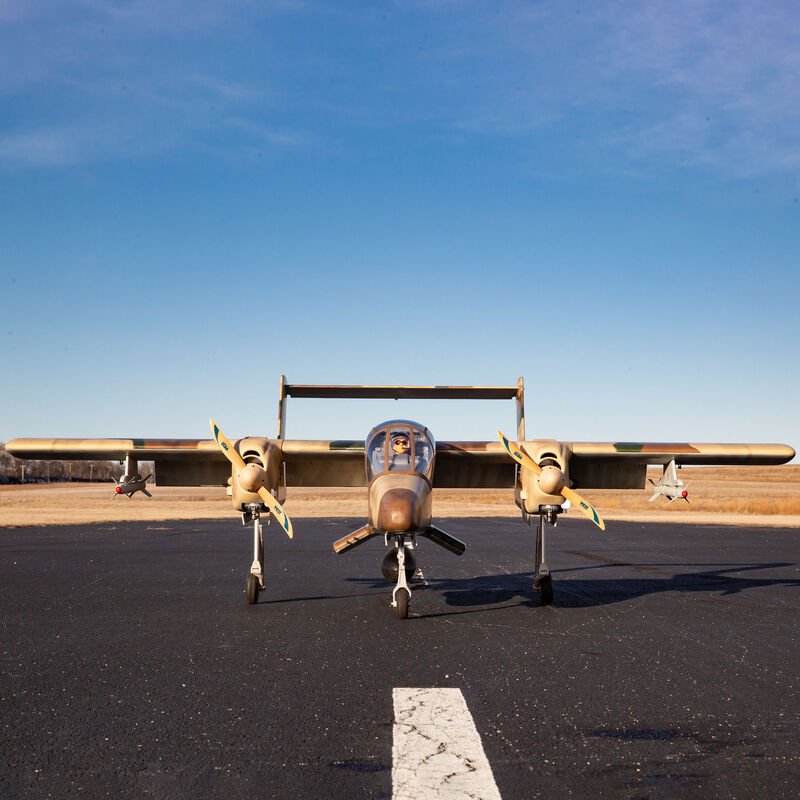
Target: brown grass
column 726, row 495
column 736, row 490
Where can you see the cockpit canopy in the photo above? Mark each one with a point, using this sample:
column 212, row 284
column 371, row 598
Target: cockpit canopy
column 399, row 445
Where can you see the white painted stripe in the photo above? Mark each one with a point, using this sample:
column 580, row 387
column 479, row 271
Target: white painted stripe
column 436, row 751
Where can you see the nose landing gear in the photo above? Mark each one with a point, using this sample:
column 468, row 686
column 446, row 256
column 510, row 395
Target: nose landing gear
column 255, row 580
column 543, row 582
column 401, row 594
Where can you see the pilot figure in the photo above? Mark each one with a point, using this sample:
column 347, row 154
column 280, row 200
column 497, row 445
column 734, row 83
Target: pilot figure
column 401, row 458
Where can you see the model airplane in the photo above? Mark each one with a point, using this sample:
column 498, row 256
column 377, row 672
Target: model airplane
column 669, row 485
column 130, row 484
column 400, row 463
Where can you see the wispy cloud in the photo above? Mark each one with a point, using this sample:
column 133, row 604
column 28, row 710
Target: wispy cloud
column 97, row 81
column 78, row 143
column 43, row 147
column 621, row 86
column 684, row 82
column 716, row 82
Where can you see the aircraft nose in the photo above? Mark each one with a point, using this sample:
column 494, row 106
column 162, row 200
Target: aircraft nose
column 396, row 510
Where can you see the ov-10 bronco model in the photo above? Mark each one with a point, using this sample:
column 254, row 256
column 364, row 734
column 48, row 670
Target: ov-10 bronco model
column 400, row 463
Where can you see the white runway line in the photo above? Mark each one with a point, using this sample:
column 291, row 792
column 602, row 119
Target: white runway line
column 436, row 751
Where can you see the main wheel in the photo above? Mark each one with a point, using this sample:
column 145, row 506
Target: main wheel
column 402, row 603
column 253, row 589
column 546, row 590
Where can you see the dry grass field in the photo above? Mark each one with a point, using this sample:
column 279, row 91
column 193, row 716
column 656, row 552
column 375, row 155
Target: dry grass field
column 720, row 495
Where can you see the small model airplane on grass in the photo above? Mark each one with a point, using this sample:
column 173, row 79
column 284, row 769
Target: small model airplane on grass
column 399, row 464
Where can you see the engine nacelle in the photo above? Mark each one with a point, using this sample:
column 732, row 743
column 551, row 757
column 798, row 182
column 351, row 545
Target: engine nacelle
column 263, row 467
column 533, row 490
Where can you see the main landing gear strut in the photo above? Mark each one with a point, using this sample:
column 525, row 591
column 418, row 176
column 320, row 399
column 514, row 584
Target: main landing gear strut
column 542, row 581
column 255, row 580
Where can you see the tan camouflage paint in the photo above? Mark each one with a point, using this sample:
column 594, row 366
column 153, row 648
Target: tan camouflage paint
column 153, row 449
column 528, row 493
column 399, row 502
column 458, row 464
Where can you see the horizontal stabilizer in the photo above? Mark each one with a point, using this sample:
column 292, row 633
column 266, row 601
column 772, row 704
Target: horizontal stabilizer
column 404, row 392
column 444, row 539
column 354, row 539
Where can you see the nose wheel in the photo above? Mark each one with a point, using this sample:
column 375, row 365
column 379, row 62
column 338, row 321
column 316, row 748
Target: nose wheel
column 402, row 597
column 252, row 590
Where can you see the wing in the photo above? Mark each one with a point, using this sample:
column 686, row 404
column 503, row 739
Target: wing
column 473, row 465
column 199, row 462
column 622, row 465
column 323, row 463
column 178, row 462
column 594, row 465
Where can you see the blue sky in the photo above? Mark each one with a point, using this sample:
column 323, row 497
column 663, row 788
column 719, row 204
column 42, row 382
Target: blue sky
column 196, row 197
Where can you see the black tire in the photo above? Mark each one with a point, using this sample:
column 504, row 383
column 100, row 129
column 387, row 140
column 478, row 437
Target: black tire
column 546, row 590
column 389, row 565
column 253, row 589
column 402, row 603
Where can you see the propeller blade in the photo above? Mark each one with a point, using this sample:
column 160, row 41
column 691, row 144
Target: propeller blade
column 277, row 511
column 269, row 501
column 588, row 509
column 227, row 448
column 521, row 457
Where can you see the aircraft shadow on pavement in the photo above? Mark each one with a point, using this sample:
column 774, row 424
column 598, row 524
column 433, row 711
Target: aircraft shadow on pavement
column 583, row 592
column 470, row 593
column 481, row 592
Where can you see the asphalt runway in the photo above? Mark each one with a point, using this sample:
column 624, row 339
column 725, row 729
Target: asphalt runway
column 132, row 667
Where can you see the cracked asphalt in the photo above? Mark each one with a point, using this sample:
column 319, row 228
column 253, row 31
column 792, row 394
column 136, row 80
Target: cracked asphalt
column 667, row 666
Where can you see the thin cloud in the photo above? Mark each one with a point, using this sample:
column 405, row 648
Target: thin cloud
column 624, row 87
column 716, row 83
column 686, row 82
column 44, row 147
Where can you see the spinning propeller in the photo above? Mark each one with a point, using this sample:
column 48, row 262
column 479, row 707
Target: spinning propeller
column 553, row 478
column 251, row 478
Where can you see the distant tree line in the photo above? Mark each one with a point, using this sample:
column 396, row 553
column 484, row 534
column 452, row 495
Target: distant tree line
column 18, row 470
